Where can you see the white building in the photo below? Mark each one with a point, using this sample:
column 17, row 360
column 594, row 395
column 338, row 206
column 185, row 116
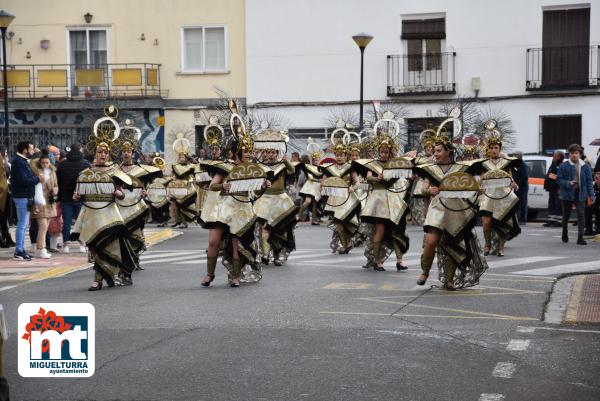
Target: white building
column 536, row 59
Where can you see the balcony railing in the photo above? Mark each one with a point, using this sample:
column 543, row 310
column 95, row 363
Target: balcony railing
column 71, row 81
column 423, row 74
column 563, row 68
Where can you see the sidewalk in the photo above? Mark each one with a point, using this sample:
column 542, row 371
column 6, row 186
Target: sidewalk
column 575, row 300
column 15, row 272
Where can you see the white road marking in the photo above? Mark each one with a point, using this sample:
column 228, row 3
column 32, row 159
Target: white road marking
column 491, row 397
column 522, row 261
column 7, row 287
column 167, row 255
column 170, row 260
column 523, row 329
column 528, row 329
column 560, row 269
column 518, row 345
column 504, row 370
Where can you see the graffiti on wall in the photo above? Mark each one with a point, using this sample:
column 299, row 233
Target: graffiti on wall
column 77, row 125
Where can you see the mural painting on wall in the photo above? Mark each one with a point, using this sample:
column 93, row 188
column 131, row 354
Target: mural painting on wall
column 49, row 126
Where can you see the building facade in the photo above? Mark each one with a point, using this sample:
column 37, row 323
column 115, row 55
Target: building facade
column 537, row 60
column 159, row 61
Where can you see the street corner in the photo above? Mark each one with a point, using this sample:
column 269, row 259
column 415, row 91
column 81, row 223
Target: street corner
column 575, row 300
column 15, row 272
column 155, row 236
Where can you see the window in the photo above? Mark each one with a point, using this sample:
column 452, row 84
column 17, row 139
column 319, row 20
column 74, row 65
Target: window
column 88, row 50
column 424, row 43
column 558, row 132
column 204, row 49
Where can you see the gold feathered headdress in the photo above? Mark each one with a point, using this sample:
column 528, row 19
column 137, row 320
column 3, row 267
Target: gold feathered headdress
column 130, row 137
column 441, row 135
column 313, row 149
column 492, row 135
column 269, row 139
column 213, row 132
column 182, row 145
column 238, row 128
column 106, row 131
column 386, row 132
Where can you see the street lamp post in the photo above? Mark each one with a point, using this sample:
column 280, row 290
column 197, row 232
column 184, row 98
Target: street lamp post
column 362, row 40
column 5, row 20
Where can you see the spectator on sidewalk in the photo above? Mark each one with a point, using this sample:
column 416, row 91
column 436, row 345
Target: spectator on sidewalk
column 5, row 238
column 22, row 186
column 43, row 213
column 67, row 172
column 576, row 189
column 551, row 185
column 592, row 226
column 521, row 177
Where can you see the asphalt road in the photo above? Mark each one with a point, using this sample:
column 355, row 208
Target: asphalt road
column 322, row 328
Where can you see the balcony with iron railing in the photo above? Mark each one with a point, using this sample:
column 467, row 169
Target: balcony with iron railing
column 563, row 68
column 88, row 81
column 422, row 74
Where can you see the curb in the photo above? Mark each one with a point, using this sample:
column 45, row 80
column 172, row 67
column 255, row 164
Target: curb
column 151, row 240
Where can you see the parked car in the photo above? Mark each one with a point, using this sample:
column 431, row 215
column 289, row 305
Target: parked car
column 537, row 197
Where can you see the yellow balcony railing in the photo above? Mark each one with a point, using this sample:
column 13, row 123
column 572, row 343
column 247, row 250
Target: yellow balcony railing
column 62, row 81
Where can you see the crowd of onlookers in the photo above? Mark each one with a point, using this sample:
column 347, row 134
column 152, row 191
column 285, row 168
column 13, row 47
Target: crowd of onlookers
column 573, row 184
column 40, row 195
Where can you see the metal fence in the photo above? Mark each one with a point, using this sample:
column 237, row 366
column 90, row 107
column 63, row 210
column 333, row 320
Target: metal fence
column 566, row 67
column 31, row 81
column 41, row 137
column 427, row 73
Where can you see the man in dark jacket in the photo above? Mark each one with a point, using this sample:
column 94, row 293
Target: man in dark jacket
column 576, row 187
column 521, row 177
column 67, row 172
column 551, row 185
column 22, row 187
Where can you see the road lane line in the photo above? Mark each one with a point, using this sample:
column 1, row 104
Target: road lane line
column 518, row 345
column 522, row 261
column 561, row 269
column 196, row 257
column 532, row 329
column 168, row 255
column 504, row 370
column 491, row 397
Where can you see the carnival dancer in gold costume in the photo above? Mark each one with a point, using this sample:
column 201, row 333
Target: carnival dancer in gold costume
column 133, row 208
column 233, row 219
column 213, row 135
column 498, row 203
column 451, row 216
column 181, row 188
column 362, row 192
column 386, row 206
column 340, row 187
column 100, row 223
column 275, row 209
column 156, row 194
column 311, row 190
column 419, row 202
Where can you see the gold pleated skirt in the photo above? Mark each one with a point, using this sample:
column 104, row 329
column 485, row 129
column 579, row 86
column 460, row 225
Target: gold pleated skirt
column 499, row 202
column 453, row 217
column 274, row 208
column 239, row 216
column 384, row 204
column 311, row 188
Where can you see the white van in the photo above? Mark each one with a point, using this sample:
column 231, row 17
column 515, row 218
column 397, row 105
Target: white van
column 537, row 197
